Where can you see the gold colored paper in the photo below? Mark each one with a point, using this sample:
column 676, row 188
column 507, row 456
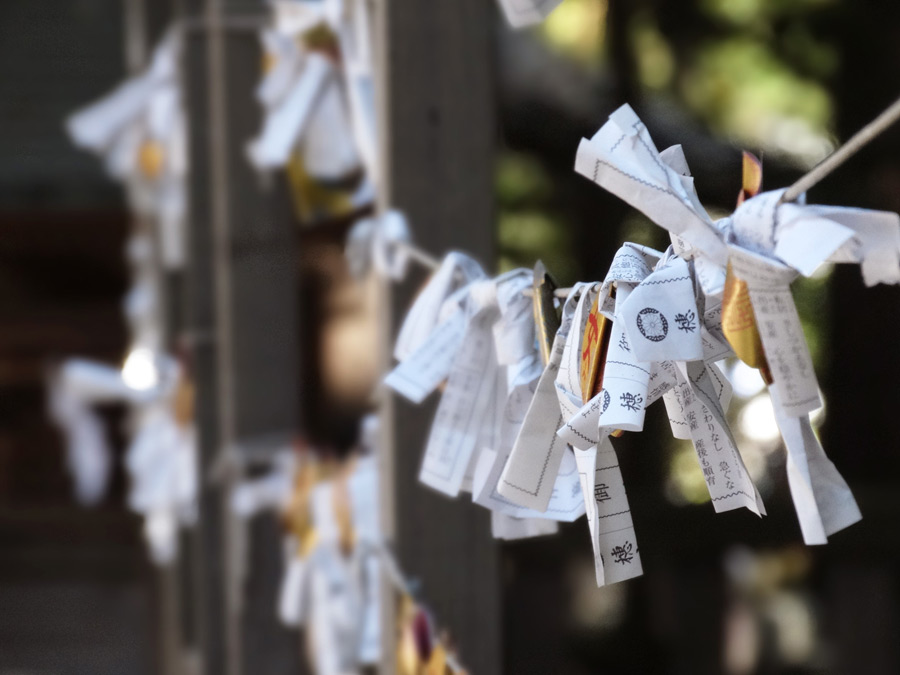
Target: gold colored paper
column 343, row 510
column 738, row 320
column 184, row 402
column 739, row 324
column 298, row 515
column 546, row 316
column 150, row 159
column 752, row 177
column 314, row 200
column 437, row 664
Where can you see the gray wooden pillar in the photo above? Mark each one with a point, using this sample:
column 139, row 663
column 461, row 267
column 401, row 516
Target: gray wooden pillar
column 438, row 129
column 241, row 301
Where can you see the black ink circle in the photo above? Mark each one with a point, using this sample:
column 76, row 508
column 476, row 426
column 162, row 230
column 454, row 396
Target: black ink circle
column 653, row 324
column 605, row 401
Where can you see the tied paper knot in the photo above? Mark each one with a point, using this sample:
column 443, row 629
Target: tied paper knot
column 483, row 346
column 140, row 131
column 622, row 158
column 767, row 243
column 613, row 538
column 304, row 109
column 518, row 377
column 316, row 103
column 537, row 456
column 803, row 237
column 332, row 588
column 456, row 271
column 774, row 243
column 377, row 244
column 160, row 458
column 697, row 393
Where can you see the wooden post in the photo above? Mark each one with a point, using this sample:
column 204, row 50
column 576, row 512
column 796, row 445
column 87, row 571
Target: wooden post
column 437, row 119
column 241, row 298
column 208, row 542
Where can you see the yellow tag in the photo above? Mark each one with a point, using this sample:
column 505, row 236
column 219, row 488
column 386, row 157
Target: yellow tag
column 184, row 402
column 312, row 199
column 437, row 664
column 738, row 320
column 269, row 61
column 150, row 159
column 343, row 510
column 408, row 662
column 739, row 324
column 298, row 515
column 752, row 177
column 546, row 316
column 322, row 39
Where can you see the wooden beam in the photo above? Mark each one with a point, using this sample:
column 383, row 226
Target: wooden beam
column 437, row 118
column 242, row 301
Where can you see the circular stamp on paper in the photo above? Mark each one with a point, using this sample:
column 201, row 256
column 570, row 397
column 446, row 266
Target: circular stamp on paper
column 653, row 324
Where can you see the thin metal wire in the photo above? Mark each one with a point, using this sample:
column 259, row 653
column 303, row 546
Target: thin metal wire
column 859, row 140
column 424, row 258
column 428, row 261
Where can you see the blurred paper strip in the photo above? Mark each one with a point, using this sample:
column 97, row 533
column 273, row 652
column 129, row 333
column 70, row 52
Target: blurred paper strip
column 821, row 496
column 285, row 123
column 522, row 13
column 622, row 158
column 533, row 465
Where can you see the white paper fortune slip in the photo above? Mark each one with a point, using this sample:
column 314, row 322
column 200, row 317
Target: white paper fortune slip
column 377, row 243
column 466, row 400
column 328, row 147
column 780, row 330
column 626, row 380
column 727, row 479
column 602, row 489
column 568, row 378
column 531, row 470
column 354, row 31
column 821, row 496
column 421, row 373
column 565, row 505
column 286, row 120
column 768, row 243
column 96, row 126
column 519, row 357
column 522, row 13
column 469, row 415
column 616, row 555
column 363, row 488
column 661, row 317
column 629, row 385
column 621, row 403
column 510, row 528
column 292, row 592
column 283, row 53
column 875, row 245
column 456, row 271
column 622, row 158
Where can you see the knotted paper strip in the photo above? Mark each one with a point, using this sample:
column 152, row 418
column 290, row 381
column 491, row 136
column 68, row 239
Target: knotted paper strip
column 533, row 464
